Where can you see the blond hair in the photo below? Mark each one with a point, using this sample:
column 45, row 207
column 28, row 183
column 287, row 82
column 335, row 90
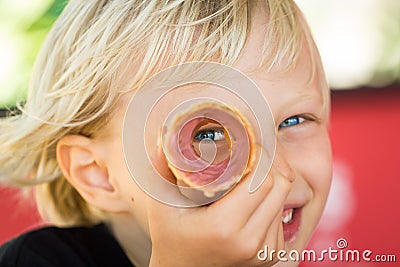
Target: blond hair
column 87, row 62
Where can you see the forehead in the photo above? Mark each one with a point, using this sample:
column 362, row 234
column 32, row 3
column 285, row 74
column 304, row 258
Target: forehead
column 304, row 81
column 277, row 84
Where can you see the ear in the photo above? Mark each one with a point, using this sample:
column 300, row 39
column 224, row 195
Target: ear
column 80, row 160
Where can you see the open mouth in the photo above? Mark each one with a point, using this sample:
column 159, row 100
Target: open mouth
column 291, row 219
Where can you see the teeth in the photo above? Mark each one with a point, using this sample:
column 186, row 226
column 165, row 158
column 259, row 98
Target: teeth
column 287, row 216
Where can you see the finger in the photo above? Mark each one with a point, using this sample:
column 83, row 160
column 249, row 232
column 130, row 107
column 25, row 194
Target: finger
column 264, row 227
column 239, row 203
column 272, row 205
column 273, row 241
column 259, row 248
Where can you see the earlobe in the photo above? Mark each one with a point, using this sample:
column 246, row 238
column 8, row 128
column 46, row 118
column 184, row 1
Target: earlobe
column 79, row 160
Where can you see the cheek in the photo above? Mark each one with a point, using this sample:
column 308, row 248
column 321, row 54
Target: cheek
column 129, row 191
column 317, row 168
column 311, row 157
column 135, row 199
column 118, row 169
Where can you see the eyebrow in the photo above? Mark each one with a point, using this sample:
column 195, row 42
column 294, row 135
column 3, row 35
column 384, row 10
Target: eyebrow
column 303, row 96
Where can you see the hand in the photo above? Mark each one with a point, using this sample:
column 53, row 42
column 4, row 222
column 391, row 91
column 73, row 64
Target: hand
column 229, row 232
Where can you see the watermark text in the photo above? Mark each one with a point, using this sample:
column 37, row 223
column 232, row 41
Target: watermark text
column 340, row 253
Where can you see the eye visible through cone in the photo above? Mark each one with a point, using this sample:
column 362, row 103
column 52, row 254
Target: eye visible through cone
column 193, row 131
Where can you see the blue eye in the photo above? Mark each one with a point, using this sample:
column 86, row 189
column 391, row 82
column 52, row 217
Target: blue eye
column 213, row 135
column 292, row 121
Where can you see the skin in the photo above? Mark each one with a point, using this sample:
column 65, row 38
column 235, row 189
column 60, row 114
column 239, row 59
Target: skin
column 232, row 230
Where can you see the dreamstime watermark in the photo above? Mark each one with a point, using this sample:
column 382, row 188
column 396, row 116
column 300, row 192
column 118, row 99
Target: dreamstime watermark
column 338, row 254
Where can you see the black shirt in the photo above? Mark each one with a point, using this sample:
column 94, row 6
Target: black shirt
column 69, row 247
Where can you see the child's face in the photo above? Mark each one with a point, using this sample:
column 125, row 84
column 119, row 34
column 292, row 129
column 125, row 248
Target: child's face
column 303, row 147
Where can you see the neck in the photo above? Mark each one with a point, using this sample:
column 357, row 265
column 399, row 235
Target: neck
column 132, row 237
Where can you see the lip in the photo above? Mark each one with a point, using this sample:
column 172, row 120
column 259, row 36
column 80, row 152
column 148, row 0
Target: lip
column 292, row 206
column 291, row 229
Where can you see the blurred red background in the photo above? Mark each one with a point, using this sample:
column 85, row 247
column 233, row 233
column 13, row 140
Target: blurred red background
column 362, row 207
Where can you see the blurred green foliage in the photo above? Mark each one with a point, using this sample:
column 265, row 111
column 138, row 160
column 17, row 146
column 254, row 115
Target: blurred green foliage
column 47, row 19
column 23, row 28
column 388, row 67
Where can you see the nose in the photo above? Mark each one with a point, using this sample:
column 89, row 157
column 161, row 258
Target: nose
column 281, row 164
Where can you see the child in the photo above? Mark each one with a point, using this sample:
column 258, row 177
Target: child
column 68, row 141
